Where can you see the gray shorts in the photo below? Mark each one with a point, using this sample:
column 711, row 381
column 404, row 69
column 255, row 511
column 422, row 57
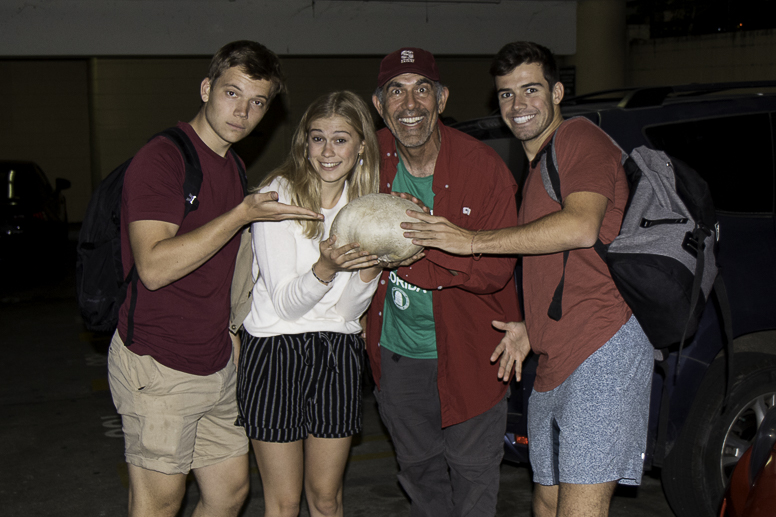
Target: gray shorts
column 593, row 427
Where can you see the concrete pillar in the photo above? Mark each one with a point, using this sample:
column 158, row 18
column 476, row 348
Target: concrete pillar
column 601, row 45
column 94, row 137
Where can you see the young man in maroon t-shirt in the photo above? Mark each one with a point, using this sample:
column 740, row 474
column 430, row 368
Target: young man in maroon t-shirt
column 174, row 384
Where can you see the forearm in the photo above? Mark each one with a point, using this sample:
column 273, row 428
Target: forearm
column 483, row 275
column 553, row 233
column 355, row 299
column 369, row 274
column 168, row 259
column 285, row 259
column 575, row 226
column 298, row 297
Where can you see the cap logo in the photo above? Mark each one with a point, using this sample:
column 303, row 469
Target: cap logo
column 407, row 60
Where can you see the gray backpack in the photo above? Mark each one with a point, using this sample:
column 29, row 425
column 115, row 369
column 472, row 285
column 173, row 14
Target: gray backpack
column 663, row 261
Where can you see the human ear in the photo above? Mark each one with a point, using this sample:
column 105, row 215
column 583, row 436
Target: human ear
column 378, row 105
column 557, row 92
column 443, row 99
column 204, row 89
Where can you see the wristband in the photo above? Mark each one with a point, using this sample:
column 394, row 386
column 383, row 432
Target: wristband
column 324, row 282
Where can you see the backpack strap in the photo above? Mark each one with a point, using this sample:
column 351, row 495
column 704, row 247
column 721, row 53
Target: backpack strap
column 193, row 179
column 132, row 278
column 240, row 170
column 191, row 184
column 549, row 170
column 697, row 247
column 551, row 179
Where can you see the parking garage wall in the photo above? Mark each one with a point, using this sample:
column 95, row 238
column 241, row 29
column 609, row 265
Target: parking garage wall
column 80, row 118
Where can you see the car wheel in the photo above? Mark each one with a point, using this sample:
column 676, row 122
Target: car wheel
column 713, row 438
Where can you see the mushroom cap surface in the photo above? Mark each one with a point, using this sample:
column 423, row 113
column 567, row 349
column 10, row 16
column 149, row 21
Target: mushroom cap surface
column 374, row 221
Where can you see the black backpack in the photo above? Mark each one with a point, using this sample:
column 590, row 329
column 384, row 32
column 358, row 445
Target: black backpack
column 663, row 261
column 100, row 282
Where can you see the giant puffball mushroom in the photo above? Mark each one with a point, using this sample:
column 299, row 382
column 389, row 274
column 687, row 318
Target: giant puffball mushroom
column 374, row 221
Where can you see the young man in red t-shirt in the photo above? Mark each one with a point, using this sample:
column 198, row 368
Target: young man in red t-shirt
column 174, row 384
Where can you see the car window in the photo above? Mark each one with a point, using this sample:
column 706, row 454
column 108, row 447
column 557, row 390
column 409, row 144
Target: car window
column 733, row 154
column 23, row 182
column 43, row 181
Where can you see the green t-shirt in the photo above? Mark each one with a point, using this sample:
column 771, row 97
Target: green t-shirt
column 408, row 313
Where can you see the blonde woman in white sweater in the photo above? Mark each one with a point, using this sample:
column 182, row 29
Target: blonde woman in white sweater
column 301, row 359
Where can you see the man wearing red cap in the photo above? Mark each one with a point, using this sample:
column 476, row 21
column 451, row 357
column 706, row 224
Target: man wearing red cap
column 589, row 408
column 440, row 390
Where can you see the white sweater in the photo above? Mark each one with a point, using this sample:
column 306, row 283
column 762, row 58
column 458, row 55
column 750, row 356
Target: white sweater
column 287, row 299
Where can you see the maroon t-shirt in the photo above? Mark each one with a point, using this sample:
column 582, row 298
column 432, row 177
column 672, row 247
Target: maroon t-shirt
column 184, row 324
column 593, row 310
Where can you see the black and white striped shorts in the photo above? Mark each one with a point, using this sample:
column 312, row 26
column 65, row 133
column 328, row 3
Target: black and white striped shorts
column 289, row 386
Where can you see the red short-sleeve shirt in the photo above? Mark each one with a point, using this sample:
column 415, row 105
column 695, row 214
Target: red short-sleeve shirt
column 593, row 310
column 184, row 324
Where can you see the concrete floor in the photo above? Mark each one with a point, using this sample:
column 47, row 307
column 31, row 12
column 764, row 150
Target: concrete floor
column 62, row 447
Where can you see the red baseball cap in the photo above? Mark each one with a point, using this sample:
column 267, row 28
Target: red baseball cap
column 407, row 60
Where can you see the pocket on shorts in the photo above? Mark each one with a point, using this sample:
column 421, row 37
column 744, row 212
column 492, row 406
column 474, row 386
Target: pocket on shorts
column 357, row 351
column 147, row 373
column 139, row 371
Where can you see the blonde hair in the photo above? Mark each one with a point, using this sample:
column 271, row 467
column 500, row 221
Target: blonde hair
column 304, row 183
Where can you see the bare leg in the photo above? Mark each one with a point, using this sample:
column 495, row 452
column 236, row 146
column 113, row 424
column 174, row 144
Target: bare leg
column 571, row 500
column 325, row 460
column 223, row 487
column 281, row 466
column 585, row 500
column 153, row 494
column 545, row 500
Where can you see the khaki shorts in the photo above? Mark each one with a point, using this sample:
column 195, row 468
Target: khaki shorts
column 173, row 421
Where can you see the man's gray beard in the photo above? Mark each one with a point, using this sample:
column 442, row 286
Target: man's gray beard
column 425, row 138
column 412, row 146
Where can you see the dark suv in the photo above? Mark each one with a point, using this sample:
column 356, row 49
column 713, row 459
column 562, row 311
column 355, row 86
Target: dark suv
column 726, row 132
column 33, row 216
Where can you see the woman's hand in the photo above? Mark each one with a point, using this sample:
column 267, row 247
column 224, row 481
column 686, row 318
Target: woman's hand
column 345, row 258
